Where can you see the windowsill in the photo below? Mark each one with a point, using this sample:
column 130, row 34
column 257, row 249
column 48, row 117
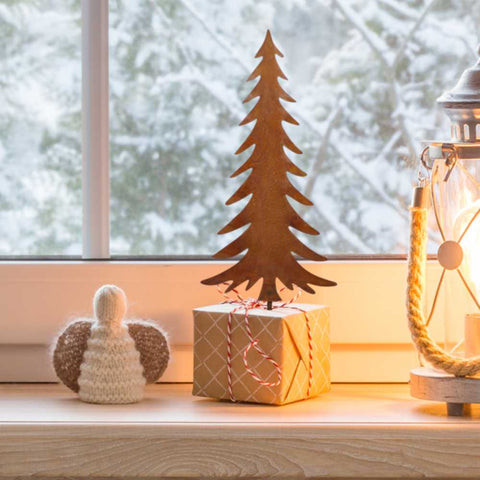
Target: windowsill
column 21, row 259
column 356, row 431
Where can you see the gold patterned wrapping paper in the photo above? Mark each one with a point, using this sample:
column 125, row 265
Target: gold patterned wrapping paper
column 282, row 333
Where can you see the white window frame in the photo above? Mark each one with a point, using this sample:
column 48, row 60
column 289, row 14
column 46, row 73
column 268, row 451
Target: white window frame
column 95, row 129
column 370, row 340
column 369, row 334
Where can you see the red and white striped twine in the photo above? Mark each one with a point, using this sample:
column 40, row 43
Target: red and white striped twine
column 250, row 304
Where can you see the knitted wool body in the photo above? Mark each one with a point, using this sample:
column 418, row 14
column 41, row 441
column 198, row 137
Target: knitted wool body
column 111, row 371
column 108, row 360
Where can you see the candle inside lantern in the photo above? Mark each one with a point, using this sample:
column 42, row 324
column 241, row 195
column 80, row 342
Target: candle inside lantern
column 467, row 230
column 472, row 335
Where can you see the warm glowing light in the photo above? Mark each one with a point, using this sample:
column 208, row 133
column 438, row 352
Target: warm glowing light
column 470, row 242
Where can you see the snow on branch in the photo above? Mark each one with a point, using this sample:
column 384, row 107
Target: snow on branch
column 214, row 35
column 339, row 228
column 373, row 40
column 401, row 50
column 332, row 119
column 364, row 176
column 401, row 8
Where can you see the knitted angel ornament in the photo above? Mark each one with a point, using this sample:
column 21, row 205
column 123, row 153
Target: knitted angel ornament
column 109, row 360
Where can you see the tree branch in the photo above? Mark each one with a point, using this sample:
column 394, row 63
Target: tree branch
column 366, row 178
column 214, row 35
column 375, row 43
column 384, row 196
column 400, row 8
column 322, row 150
column 341, row 230
column 401, row 50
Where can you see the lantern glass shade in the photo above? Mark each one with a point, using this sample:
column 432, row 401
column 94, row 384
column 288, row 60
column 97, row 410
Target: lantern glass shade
column 456, row 207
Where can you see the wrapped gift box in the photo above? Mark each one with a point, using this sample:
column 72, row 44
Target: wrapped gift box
column 282, row 333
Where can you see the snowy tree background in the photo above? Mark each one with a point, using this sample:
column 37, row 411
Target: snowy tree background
column 365, row 74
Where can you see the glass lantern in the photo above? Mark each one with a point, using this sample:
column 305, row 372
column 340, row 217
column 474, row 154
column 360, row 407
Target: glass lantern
column 452, row 188
column 455, row 202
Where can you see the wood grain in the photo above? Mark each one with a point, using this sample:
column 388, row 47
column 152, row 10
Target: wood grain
column 429, row 384
column 357, row 431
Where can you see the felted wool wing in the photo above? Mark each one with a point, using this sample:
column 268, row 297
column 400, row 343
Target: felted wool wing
column 152, row 344
column 69, row 350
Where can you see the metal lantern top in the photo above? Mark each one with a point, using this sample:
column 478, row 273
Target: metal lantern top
column 462, row 105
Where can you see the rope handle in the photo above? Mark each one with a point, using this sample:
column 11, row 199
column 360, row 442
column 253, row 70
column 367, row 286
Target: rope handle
column 417, row 257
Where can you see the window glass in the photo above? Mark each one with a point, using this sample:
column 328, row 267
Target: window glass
column 40, row 159
column 365, row 75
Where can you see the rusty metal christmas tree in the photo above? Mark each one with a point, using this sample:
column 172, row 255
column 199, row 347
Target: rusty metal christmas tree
column 269, row 242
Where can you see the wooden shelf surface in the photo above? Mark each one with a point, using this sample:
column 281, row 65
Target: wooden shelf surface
column 356, row 431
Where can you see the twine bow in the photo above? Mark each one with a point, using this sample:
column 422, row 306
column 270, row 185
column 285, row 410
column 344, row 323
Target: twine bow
column 249, row 304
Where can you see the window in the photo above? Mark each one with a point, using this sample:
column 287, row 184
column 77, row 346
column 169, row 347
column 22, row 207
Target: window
column 365, row 75
column 40, row 128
